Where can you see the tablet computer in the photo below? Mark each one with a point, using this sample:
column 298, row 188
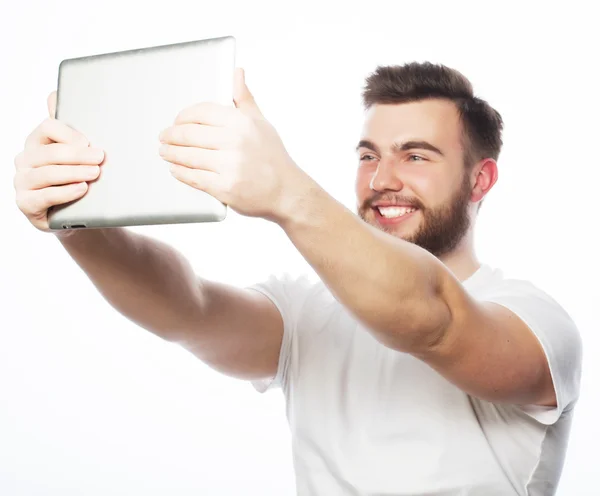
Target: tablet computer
column 121, row 102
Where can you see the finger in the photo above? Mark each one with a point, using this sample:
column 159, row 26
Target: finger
column 194, row 158
column 58, row 153
column 54, row 175
column 35, row 203
column 211, row 114
column 242, row 97
column 54, row 131
column 202, row 180
column 197, row 135
column 52, row 105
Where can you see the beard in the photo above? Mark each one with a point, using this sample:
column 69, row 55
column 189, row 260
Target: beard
column 442, row 228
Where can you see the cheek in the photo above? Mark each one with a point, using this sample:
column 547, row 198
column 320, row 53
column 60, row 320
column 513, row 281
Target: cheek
column 422, row 184
column 363, row 182
column 430, row 187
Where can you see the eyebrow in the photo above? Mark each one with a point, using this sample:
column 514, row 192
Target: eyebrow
column 401, row 147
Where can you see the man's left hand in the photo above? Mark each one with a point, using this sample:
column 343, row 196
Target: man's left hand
column 233, row 154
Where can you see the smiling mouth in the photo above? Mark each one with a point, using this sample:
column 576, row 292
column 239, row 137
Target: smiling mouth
column 392, row 212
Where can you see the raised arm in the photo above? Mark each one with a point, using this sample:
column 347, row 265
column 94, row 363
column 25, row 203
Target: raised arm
column 405, row 296
column 236, row 331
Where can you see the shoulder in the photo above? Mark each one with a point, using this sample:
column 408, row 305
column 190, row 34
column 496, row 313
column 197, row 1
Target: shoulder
column 553, row 326
column 492, row 285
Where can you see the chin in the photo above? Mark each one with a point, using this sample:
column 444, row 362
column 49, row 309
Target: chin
column 401, row 230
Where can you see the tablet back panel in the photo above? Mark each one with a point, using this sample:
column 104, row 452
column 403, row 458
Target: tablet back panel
column 121, row 102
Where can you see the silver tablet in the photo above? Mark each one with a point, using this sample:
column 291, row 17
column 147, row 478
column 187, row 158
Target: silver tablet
column 121, row 102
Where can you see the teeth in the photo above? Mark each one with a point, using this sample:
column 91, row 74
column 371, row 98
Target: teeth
column 391, row 212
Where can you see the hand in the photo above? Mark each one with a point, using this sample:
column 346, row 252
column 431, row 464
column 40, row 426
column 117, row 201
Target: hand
column 53, row 168
column 233, row 154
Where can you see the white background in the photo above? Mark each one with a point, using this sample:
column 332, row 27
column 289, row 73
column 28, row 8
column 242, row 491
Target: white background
column 90, row 404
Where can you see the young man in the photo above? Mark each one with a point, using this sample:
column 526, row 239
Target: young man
column 410, row 368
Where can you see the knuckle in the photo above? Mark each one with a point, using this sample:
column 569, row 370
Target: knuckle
column 24, row 179
column 20, row 160
column 167, row 134
column 175, row 172
column 18, row 181
column 22, row 201
column 32, row 139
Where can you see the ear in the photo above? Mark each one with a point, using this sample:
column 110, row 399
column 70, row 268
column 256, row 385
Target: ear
column 485, row 175
column 52, row 105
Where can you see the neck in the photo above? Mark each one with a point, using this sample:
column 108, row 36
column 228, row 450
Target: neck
column 462, row 261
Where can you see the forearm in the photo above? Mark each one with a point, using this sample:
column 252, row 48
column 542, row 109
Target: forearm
column 146, row 280
column 392, row 286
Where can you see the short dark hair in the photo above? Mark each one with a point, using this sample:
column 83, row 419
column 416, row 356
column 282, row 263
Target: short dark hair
column 414, row 81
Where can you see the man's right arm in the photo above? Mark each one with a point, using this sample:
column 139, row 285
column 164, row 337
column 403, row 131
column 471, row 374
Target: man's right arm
column 236, row 331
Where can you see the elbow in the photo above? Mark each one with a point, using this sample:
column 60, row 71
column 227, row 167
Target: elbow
column 419, row 316
column 420, row 327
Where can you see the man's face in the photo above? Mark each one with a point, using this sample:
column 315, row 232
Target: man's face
column 411, row 180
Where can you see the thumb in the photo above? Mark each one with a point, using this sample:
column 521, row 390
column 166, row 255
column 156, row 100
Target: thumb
column 52, row 105
column 242, row 97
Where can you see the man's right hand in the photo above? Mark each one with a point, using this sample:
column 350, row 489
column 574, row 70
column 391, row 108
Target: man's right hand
column 236, row 331
column 54, row 167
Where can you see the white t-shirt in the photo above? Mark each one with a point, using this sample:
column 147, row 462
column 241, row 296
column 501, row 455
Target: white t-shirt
column 368, row 420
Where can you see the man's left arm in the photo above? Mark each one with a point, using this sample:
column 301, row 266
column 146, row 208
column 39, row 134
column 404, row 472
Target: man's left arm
column 412, row 303
column 404, row 295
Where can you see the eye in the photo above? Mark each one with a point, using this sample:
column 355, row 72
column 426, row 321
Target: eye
column 367, row 157
column 416, row 158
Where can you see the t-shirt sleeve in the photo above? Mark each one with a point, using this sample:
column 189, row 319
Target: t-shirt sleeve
column 288, row 293
column 558, row 335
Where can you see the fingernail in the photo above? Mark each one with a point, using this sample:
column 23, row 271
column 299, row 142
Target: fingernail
column 97, row 154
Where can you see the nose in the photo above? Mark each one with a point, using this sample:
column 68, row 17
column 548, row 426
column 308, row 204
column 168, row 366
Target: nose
column 386, row 177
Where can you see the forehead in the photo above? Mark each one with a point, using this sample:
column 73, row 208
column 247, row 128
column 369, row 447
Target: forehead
column 436, row 121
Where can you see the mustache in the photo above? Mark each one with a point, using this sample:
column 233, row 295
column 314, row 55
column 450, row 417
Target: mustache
column 386, row 197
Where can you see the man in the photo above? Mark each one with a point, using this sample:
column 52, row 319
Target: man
column 410, row 368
